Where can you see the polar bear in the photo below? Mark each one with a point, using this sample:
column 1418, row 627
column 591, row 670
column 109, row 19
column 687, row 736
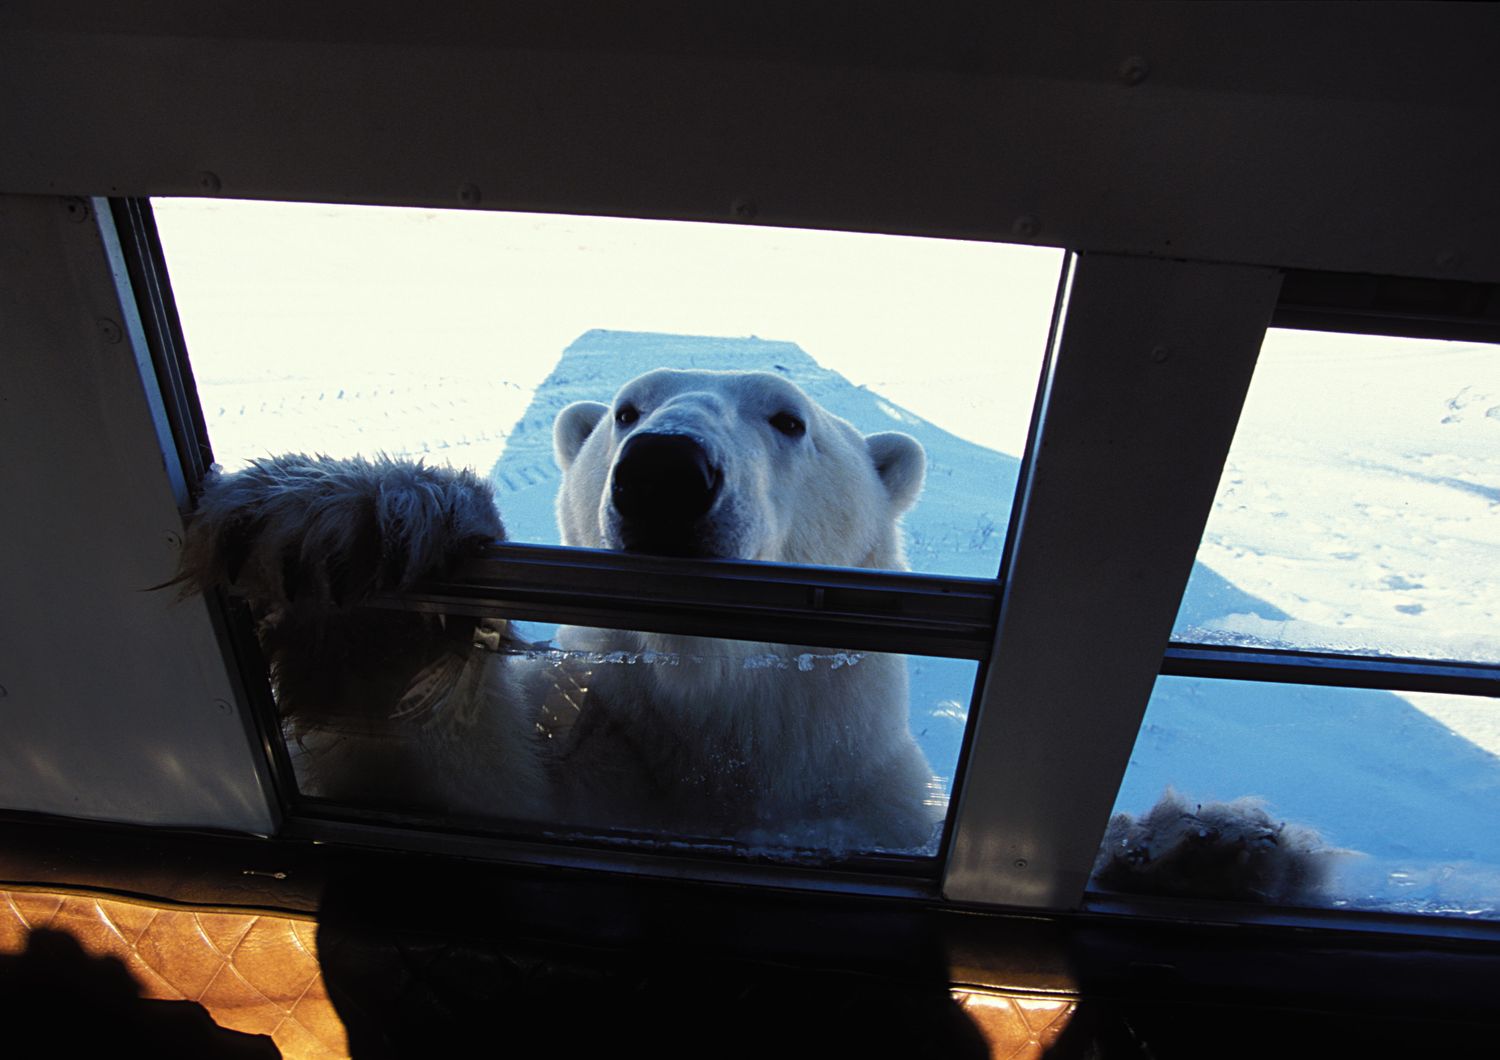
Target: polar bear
column 772, row 745
column 765, row 741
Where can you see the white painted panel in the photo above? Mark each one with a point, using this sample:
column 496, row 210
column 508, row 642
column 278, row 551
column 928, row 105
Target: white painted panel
column 1333, row 136
column 116, row 701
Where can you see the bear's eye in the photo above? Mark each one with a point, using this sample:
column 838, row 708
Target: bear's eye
column 626, row 415
column 789, row 425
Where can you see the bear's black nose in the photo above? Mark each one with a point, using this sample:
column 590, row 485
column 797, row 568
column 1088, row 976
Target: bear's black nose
column 662, row 484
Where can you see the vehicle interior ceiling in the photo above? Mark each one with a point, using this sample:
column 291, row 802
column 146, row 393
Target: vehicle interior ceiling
column 1202, row 171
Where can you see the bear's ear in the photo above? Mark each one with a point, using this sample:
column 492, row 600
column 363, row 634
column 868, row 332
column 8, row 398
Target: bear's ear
column 901, row 463
column 572, row 428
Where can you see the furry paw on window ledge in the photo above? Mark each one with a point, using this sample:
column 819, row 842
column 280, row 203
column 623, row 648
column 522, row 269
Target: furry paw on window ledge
column 1227, row 850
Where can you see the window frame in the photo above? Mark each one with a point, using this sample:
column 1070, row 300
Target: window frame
column 902, row 612
column 1345, row 304
column 1193, row 300
column 1121, row 474
column 1379, row 306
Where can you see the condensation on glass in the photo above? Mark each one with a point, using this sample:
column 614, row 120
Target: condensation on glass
column 1402, row 790
column 1359, row 509
column 456, row 337
column 645, row 739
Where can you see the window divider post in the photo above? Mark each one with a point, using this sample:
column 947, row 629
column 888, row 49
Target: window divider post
column 1147, row 378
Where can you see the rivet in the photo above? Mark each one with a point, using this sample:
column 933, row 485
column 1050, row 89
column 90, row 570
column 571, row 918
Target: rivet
column 223, row 706
column 109, row 330
column 744, row 208
column 76, row 208
column 174, row 540
column 3, row 692
column 1134, row 69
column 209, row 181
column 1027, row 226
column 469, row 195
column 1159, row 354
column 1021, row 863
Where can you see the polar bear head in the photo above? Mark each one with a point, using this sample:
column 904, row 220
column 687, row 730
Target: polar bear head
column 731, row 464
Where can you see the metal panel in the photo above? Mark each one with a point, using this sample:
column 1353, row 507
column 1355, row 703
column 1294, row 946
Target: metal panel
column 924, row 614
column 1383, row 305
column 135, row 228
column 116, row 704
column 1145, row 389
column 1332, row 669
column 1250, row 133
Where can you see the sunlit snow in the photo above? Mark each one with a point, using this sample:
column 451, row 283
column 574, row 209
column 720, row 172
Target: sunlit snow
column 1362, row 498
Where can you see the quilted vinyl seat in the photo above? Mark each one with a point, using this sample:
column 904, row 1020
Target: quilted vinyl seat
column 105, row 972
column 93, row 974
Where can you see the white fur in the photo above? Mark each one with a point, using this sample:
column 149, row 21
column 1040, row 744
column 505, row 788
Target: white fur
column 831, row 498
column 759, row 741
column 773, row 744
column 1227, row 850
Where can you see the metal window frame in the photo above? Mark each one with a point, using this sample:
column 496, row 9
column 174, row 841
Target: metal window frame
column 118, row 703
column 146, row 282
column 873, row 610
column 1133, row 340
column 1412, row 307
column 1149, row 373
column 895, row 611
column 1386, row 306
column 1284, row 666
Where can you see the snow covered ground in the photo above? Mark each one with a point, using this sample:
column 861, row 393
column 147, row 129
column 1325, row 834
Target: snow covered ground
column 1362, row 499
column 1359, row 511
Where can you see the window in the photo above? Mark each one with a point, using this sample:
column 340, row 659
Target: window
column 1344, row 593
column 1285, row 681
column 1358, row 511
column 457, row 339
column 1405, row 786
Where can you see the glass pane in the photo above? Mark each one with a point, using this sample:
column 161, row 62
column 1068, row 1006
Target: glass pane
column 646, row 739
column 1360, row 506
column 458, row 336
column 1406, row 787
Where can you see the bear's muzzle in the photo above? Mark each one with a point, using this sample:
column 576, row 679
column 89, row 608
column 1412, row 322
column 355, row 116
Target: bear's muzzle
column 662, row 486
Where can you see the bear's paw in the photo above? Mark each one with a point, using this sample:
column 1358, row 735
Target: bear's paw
column 320, row 532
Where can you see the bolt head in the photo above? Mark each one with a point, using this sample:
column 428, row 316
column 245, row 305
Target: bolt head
column 1134, row 69
column 1027, row 226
